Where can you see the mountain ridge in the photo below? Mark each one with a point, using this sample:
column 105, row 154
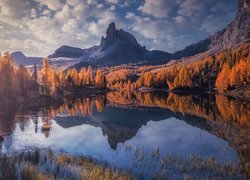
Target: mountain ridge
column 21, row 58
column 121, row 47
column 117, row 47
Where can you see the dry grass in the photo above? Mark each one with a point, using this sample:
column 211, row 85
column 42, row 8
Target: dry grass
column 48, row 164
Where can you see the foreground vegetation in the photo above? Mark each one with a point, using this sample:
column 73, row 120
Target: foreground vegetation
column 49, row 164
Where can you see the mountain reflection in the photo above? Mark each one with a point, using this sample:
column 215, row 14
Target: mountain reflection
column 120, row 116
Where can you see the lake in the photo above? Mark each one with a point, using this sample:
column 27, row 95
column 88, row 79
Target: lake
column 143, row 133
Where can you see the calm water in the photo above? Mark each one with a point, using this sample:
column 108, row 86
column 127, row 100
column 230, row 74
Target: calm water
column 130, row 132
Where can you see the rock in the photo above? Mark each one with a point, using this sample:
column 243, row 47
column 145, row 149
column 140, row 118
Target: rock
column 117, row 47
column 236, row 33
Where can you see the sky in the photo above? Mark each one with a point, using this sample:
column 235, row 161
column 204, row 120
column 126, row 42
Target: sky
column 38, row 27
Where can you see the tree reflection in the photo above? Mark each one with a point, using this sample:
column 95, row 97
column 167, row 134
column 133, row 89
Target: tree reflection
column 218, row 108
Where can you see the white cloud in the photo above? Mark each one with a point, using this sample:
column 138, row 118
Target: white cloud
column 51, row 4
column 112, row 8
column 37, row 27
column 70, row 26
column 98, row 28
column 157, row 8
column 13, row 11
column 192, row 7
column 112, row 1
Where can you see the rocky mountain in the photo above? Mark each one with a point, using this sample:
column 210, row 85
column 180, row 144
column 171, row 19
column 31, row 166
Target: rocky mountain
column 117, row 47
column 120, row 47
column 236, row 33
column 20, row 58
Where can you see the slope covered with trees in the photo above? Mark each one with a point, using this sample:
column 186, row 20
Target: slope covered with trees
column 227, row 70
column 15, row 81
column 19, row 82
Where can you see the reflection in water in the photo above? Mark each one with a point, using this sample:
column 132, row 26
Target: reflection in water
column 107, row 127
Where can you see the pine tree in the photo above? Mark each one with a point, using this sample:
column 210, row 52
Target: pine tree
column 89, row 77
column 45, row 73
column 100, row 80
column 235, row 77
column 222, row 81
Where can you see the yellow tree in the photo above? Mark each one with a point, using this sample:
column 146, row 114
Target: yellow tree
column 100, row 80
column 83, row 76
column 45, row 73
column 74, row 75
column 222, row 80
column 89, row 77
column 235, row 77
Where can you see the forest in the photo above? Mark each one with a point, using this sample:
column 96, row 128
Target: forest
column 19, row 81
column 227, row 70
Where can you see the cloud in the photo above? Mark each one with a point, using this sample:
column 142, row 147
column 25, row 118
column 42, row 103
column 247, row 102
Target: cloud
column 99, row 27
column 50, row 4
column 191, row 7
column 38, row 27
column 112, row 8
column 157, row 8
column 112, row 1
column 13, row 11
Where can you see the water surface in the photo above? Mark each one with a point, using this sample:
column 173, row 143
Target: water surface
column 133, row 134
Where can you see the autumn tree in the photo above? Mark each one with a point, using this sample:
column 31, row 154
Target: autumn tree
column 45, row 73
column 235, row 77
column 8, row 83
column 83, row 75
column 100, row 79
column 89, row 77
column 35, row 74
column 222, row 81
column 23, row 80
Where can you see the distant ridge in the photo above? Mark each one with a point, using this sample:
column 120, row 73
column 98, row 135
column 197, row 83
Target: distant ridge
column 20, row 58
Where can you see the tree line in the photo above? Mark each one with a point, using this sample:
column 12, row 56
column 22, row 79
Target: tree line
column 224, row 71
column 14, row 81
column 18, row 81
column 54, row 80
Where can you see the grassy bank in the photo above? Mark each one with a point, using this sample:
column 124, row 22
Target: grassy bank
column 47, row 164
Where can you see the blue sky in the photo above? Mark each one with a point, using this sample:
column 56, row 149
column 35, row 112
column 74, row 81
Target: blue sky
column 38, row 27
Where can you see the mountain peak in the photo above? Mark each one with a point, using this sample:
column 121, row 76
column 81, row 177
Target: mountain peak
column 243, row 5
column 111, row 35
column 114, row 35
column 111, row 28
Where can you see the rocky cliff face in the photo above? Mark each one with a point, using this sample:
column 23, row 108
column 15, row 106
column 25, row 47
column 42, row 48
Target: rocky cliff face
column 113, row 35
column 237, row 32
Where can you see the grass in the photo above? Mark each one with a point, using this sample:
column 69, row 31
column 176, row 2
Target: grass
column 48, row 164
